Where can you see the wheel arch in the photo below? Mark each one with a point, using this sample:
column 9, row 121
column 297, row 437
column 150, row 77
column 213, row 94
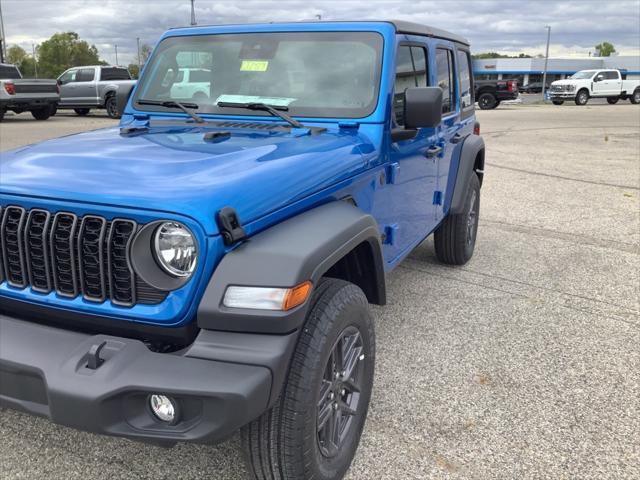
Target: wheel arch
column 336, row 239
column 470, row 161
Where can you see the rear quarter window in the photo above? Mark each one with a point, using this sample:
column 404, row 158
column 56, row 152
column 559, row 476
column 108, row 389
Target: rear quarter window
column 112, row 73
column 9, row 72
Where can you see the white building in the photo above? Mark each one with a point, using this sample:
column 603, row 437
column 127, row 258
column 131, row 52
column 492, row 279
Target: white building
column 528, row 70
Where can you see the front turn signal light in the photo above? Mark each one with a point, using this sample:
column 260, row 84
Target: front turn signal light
column 267, row 298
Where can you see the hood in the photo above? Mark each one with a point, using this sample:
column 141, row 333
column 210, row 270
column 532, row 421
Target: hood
column 565, row 82
column 173, row 169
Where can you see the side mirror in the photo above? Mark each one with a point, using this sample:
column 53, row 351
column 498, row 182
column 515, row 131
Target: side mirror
column 599, row 78
column 122, row 97
column 422, row 107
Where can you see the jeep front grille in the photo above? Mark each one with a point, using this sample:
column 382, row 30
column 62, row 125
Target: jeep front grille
column 72, row 256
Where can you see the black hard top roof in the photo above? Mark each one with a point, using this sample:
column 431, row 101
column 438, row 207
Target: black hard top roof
column 412, row 28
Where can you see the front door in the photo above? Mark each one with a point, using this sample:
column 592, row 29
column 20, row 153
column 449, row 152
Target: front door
column 69, row 88
column 406, row 211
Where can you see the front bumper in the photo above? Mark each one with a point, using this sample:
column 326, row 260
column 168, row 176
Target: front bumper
column 561, row 95
column 221, row 382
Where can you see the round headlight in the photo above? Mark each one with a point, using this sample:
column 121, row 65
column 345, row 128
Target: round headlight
column 176, row 249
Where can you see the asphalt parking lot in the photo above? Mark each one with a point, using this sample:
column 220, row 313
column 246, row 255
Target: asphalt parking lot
column 525, row 363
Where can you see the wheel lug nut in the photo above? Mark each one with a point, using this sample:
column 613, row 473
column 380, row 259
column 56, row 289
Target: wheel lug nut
column 332, row 396
column 343, row 374
column 343, row 392
column 335, row 406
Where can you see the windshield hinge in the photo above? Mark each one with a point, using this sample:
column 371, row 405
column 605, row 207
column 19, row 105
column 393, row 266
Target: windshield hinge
column 230, row 226
column 349, row 125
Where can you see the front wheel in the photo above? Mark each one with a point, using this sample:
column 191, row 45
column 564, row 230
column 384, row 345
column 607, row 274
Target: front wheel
column 635, row 98
column 112, row 107
column 487, row 101
column 455, row 238
column 314, row 428
column 582, row 97
column 612, row 100
column 82, row 111
column 557, row 102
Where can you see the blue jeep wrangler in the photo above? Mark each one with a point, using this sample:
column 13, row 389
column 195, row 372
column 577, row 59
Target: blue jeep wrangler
column 207, row 265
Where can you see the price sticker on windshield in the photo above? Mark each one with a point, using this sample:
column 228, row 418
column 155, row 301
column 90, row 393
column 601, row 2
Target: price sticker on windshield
column 254, row 66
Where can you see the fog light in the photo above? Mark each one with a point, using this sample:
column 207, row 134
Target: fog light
column 163, row 408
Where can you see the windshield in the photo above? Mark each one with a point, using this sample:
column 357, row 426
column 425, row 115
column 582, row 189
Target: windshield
column 313, row 74
column 583, row 74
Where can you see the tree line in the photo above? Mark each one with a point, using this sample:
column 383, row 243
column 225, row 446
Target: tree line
column 60, row 52
column 604, row 49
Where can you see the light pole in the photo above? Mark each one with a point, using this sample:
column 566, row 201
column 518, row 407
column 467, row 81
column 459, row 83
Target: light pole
column 193, row 14
column 546, row 63
column 3, row 42
column 139, row 66
column 116, row 55
column 35, row 62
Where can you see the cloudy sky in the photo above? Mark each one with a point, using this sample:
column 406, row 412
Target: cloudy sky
column 507, row 26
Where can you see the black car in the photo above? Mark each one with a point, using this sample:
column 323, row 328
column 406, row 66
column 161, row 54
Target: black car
column 533, row 87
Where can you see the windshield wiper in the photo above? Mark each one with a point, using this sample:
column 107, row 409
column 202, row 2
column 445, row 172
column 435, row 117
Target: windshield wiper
column 173, row 104
column 275, row 110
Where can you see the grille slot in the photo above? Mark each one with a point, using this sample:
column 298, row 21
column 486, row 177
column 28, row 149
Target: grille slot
column 72, row 255
column 121, row 276
column 90, row 257
column 36, row 250
column 63, row 256
column 12, row 226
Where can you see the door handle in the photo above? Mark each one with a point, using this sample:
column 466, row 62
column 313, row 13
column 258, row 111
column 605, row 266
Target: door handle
column 433, row 151
column 457, row 138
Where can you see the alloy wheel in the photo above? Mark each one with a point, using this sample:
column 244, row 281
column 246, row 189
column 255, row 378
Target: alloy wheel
column 339, row 395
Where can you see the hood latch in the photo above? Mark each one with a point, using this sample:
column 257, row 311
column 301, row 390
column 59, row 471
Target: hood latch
column 230, row 226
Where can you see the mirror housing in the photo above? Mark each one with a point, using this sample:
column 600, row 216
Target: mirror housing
column 122, row 97
column 598, row 78
column 422, row 107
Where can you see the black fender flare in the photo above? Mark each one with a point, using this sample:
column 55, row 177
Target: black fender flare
column 301, row 248
column 471, row 147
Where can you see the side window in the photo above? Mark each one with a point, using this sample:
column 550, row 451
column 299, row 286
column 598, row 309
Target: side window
column 85, row 75
column 411, row 71
column 464, row 77
column 444, row 62
column 68, row 77
column 611, row 75
column 114, row 73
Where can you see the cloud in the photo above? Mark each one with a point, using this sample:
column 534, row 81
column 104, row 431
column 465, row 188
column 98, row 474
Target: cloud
column 490, row 25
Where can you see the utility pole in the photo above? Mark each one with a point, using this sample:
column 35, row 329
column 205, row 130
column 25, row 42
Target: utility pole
column 139, row 65
column 3, row 41
column 193, row 14
column 546, row 63
column 116, row 55
column 35, row 61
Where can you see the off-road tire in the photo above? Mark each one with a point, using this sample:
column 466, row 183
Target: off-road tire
column 54, row 109
column 41, row 113
column 635, row 97
column 284, row 443
column 82, row 111
column 111, row 105
column 557, row 102
column 612, row 100
column 487, row 101
column 582, row 97
column 2, row 110
column 455, row 238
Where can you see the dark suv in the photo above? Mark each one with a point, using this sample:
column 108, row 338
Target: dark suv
column 208, row 265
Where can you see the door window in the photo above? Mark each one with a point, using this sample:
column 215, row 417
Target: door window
column 444, row 62
column 611, row 75
column 464, row 77
column 114, row 73
column 85, row 75
column 68, row 77
column 411, row 71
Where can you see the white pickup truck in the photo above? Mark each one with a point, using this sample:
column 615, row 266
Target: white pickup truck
column 586, row 84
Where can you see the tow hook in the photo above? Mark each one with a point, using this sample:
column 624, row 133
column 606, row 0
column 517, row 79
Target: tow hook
column 94, row 360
